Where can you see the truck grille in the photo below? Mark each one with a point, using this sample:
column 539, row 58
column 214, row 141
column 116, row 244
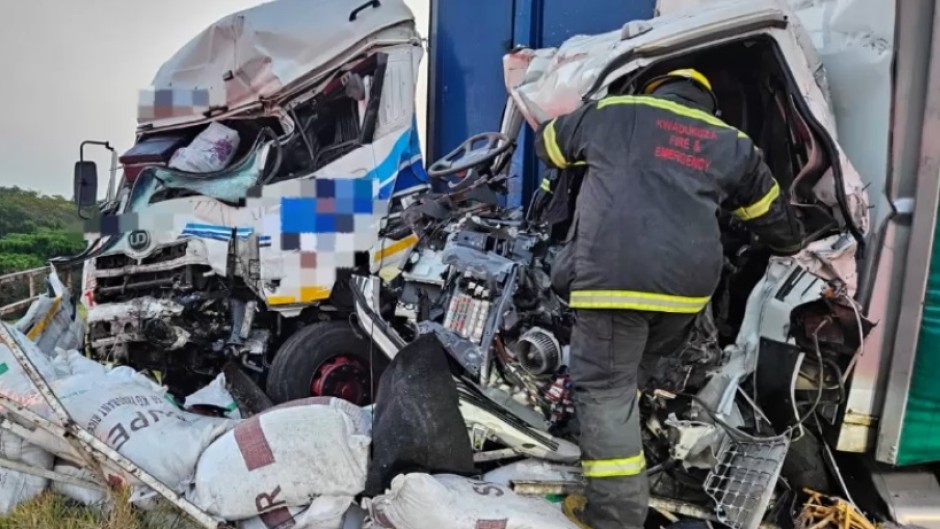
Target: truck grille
column 166, row 253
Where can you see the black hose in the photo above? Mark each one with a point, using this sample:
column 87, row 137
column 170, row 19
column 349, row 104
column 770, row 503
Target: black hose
column 265, row 179
column 838, row 371
column 822, row 378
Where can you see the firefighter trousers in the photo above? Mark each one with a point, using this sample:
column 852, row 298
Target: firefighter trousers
column 609, row 349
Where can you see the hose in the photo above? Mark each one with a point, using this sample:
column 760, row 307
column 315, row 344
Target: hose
column 736, row 433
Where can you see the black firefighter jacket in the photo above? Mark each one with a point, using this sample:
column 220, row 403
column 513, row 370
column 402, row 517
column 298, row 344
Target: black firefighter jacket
column 645, row 234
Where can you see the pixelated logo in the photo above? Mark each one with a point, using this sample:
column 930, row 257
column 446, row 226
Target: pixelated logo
column 138, row 240
column 165, row 103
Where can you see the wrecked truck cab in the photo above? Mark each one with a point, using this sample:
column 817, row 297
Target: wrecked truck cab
column 777, row 337
column 771, row 85
column 272, row 156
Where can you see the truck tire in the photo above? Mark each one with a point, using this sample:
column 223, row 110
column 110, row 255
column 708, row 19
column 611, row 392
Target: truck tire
column 326, row 359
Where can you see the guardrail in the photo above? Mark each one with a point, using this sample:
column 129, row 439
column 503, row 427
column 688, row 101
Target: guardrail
column 35, row 278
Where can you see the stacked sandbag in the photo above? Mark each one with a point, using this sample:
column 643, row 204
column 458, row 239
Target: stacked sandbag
column 422, row 501
column 18, row 487
column 137, row 418
column 326, row 512
column 214, row 395
column 14, row 382
column 533, row 470
column 119, row 406
column 289, row 456
column 92, row 497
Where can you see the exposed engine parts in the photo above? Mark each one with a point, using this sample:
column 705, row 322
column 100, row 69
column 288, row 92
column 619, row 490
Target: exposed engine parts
column 184, row 321
column 480, row 283
column 468, row 311
column 478, row 279
column 539, row 352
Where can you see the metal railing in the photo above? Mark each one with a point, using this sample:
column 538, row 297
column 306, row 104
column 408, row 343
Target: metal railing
column 35, row 279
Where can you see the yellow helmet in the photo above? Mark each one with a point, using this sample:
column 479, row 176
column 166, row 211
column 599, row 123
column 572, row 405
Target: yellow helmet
column 686, row 73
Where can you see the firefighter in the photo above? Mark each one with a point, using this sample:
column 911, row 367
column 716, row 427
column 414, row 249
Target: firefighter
column 643, row 257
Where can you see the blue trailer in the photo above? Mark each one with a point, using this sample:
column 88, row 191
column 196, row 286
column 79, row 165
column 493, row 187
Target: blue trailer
column 467, row 41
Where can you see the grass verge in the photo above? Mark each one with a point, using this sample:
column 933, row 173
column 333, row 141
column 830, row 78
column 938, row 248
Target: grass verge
column 52, row 511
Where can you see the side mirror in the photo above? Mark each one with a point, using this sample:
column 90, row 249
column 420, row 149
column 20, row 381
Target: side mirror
column 86, row 184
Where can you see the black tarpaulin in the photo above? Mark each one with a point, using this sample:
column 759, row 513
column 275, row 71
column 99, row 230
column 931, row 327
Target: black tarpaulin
column 418, row 426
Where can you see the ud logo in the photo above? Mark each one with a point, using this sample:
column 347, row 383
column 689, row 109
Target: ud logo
column 138, row 240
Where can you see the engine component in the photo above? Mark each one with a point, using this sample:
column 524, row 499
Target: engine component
column 539, row 352
column 426, row 267
column 468, row 311
column 160, row 332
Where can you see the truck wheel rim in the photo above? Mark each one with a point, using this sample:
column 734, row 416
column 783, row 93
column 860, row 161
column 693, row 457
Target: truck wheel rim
column 342, row 376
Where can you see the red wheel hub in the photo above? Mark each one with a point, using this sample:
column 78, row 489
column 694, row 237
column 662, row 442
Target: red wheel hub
column 342, row 376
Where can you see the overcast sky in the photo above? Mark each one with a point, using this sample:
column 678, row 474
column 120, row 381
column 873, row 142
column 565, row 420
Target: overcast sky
column 71, row 70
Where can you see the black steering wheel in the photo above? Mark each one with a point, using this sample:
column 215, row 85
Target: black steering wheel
column 475, row 151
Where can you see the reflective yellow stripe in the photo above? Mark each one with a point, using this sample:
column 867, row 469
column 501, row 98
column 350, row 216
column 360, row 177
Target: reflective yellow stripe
column 551, row 146
column 663, row 104
column 614, row 468
column 44, row 322
column 761, row 207
column 396, row 247
column 308, row 294
column 281, row 300
column 632, row 300
column 546, row 185
column 314, row 293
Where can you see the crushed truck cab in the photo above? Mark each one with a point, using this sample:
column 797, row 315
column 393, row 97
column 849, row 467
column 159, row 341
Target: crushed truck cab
column 269, row 159
column 776, row 339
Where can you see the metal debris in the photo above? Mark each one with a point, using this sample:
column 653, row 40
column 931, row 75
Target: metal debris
column 743, row 481
column 824, row 512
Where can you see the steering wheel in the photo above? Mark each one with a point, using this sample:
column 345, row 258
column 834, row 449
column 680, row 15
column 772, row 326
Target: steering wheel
column 473, row 152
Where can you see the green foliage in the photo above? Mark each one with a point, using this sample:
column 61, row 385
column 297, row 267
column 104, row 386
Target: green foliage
column 14, row 262
column 25, row 211
column 33, row 229
column 42, row 244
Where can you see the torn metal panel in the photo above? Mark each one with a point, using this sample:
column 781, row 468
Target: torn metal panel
column 912, row 496
column 855, row 41
column 260, row 52
column 695, row 442
column 486, row 422
column 146, row 307
column 52, row 320
column 557, row 81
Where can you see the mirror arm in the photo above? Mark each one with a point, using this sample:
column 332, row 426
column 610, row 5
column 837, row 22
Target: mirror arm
column 81, row 159
column 113, row 177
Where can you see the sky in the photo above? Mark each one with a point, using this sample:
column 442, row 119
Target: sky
column 72, row 71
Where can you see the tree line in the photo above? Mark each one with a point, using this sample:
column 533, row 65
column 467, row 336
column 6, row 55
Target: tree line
column 33, row 229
